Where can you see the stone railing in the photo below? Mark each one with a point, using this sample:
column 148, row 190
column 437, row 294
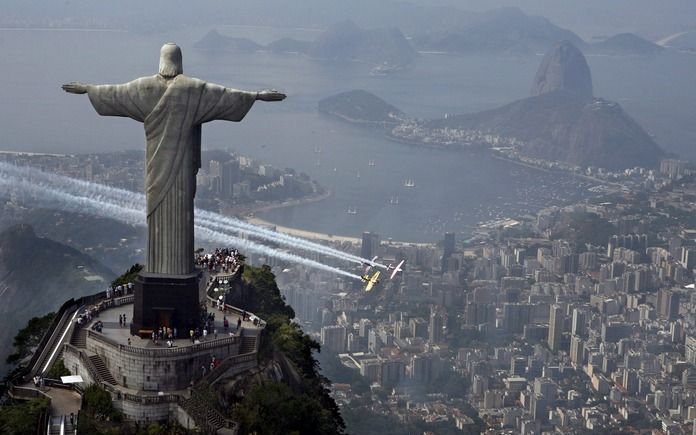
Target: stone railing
column 164, row 352
column 228, row 307
column 143, row 399
column 26, row 393
column 121, row 300
column 229, row 362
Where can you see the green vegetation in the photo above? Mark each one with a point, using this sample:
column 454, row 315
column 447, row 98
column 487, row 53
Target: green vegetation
column 264, row 298
column 129, row 276
column 583, row 228
column 57, row 370
column 29, row 337
column 275, row 408
column 97, row 404
column 22, row 417
column 305, row 408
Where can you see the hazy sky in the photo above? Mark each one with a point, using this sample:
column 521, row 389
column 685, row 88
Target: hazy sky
column 588, row 18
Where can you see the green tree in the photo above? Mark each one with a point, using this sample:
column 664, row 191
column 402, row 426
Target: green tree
column 129, row 276
column 29, row 336
column 22, row 417
column 57, row 370
column 98, row 404
column 274, row 408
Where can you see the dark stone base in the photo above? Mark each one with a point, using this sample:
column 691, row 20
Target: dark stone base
column 166, row 300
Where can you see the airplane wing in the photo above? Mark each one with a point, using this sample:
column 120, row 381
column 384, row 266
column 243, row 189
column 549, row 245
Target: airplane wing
column 374, row 280
column 397, row 269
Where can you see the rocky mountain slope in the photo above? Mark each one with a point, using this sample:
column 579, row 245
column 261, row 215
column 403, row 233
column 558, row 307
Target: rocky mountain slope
column 563, row 68
column 563, row 121
column 503, row 30
column 37, row 275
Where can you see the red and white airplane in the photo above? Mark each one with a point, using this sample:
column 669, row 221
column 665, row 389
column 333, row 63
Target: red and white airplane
column 396, row 269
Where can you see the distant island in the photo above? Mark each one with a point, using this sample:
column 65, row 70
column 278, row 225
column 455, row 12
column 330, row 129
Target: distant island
column 213, row 41
column 384, row 48
column 625, row 44
column 560, row 121
column 361, row 107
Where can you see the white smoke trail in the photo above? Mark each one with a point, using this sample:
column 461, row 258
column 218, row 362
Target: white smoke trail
column 217, row 222
column 55, row 198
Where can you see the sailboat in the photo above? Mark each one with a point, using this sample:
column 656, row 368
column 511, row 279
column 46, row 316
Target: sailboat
column 353, row 210
column 371, row 163
column 394, row 200
column 409, row 183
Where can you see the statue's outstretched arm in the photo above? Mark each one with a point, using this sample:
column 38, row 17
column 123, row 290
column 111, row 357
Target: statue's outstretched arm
column 270, row 95
column 75, row 88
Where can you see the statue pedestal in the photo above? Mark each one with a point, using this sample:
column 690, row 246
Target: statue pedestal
column 171, row 301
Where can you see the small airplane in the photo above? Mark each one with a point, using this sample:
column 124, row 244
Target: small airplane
column 370, row 281
column 396, row 269
column 370, row 264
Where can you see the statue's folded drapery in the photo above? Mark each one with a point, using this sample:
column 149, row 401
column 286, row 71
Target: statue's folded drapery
column 172, row 111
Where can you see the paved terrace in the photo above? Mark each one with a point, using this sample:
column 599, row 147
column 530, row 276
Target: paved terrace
column 121, row 334
column 111, row 328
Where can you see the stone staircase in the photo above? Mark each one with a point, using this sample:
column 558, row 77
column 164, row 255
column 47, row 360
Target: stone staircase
column 206, row 417
column 247, row 345
column 79, row 338
column 102, row 370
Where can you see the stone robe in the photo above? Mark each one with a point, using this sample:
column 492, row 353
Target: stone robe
column 172, row 111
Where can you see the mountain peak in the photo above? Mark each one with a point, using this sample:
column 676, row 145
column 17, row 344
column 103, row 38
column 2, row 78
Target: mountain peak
column 564, row 68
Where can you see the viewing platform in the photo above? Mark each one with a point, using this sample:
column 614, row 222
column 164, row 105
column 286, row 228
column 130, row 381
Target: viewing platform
column 153, row 379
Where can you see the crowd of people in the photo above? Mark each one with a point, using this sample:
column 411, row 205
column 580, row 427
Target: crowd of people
column 119, row 290
column 222, row 260
column 165, row 334
column 85, row 317
column 98, row 326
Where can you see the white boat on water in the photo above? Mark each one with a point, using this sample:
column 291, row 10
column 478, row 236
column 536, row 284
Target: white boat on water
column 353, row 210
column 409, row 183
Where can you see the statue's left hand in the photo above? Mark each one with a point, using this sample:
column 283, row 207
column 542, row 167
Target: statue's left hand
column 75, row 88
column 270, row 95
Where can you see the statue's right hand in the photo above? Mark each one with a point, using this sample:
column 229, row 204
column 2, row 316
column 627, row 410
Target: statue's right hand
column 75, row 88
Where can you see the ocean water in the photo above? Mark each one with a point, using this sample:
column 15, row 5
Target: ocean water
column 453, row 190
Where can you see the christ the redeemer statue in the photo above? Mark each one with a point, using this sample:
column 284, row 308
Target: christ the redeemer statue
column 172, row 107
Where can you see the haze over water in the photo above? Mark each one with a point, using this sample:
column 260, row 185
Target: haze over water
column 453, row 190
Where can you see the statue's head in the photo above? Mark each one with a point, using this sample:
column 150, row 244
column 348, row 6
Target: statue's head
column 170, row 60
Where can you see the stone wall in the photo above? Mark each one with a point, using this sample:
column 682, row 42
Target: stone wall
column 159, row 369
column 77, row 365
